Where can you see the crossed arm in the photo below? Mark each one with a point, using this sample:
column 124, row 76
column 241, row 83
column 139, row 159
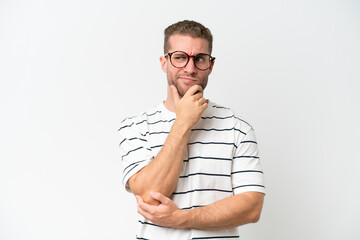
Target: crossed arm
column 230, row 212
column 162, row 173
column 152, row 194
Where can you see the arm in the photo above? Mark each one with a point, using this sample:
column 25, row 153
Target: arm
column 230, row 212
column 162, row 173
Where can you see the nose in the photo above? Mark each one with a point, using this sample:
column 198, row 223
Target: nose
column 190, row 66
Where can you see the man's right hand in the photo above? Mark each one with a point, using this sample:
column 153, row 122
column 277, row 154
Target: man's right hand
column 190, row 107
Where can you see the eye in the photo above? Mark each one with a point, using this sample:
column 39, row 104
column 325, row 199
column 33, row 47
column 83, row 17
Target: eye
column 202, row 58
column 199, row 58
column 179, row 56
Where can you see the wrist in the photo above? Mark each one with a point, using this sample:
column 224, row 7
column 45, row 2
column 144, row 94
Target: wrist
column 185, row 219
column 182, row 127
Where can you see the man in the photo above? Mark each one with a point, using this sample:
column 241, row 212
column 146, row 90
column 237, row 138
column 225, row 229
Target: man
column 193, row 165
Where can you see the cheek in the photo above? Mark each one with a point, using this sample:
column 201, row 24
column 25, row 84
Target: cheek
column 171, row 77
column 204, row 80
column 173, row 73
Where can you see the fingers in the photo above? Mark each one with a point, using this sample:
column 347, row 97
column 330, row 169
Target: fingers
column 155, row 195
column 205, row 105
column 197, row 92
column 160, row 197
column 194, row 90
column 143, row 206
column 151, row 212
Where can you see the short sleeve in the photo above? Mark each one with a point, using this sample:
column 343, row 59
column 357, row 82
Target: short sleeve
column 247, row 175
column 134, row 149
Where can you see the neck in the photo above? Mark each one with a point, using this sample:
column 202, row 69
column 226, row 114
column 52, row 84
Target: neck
column 169, row 102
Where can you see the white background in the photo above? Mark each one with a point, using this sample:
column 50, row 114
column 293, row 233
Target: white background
column 71, row 70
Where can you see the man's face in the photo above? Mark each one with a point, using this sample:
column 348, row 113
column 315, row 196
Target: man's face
column 185, row 77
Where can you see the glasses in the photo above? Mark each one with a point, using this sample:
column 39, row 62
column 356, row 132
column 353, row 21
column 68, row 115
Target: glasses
column 180, row 59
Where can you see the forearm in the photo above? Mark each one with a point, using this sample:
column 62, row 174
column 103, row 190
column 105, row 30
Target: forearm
column 227, row 213
column 162, row 173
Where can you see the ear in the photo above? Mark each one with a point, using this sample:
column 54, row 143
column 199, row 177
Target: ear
column 211, row 67
column 163, row 62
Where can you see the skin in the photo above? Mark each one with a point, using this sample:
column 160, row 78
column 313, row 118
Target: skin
column 154, row 184
column 185, row 97
column 230, row 212
column 166, row 166
column 188, row 76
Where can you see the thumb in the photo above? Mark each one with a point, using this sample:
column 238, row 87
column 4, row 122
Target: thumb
column 160, row 197
column 175, row 94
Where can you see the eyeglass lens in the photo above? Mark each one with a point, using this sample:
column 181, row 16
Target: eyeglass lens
column 180, row 59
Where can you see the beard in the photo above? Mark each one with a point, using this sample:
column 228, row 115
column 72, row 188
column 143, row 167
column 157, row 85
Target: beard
column 183, row 88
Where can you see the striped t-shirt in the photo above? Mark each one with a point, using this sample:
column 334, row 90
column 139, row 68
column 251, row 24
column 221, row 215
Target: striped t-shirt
column 221, row 160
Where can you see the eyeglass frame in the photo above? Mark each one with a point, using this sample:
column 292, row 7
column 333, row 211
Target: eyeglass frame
column 211, row 60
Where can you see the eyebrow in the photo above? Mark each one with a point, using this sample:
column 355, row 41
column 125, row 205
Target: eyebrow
column 188, row 53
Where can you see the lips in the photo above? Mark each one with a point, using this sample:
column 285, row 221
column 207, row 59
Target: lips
column 188, row 80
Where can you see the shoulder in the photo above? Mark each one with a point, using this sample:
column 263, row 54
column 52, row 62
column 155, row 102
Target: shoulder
column 222, row 112
column 139, row 118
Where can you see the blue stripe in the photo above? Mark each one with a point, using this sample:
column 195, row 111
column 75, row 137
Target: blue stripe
column 161, row 121
column 130, row 139
column 215, row 106
column 219, row 130
column 153, row 133
column 128, row 172
column 249, row 185
column 239, row 131
column 203, row 190
column 151, row 114
column 218, row 117
column 151, row 224
column 140, row 238
column 133, row 164
column 246, row 157
column 156, row 146
column 122, row 158
column 192, row 207
column 244, row 122
column 138, row 123
column 248, row 171
column 208, row 158
column 248, row 142
column 223, row 143
column 125, row 126
column 206, row 174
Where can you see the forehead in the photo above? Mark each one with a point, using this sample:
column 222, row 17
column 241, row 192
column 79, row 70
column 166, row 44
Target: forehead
column 188, row 44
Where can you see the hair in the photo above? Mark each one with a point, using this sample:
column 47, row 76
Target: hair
column 187, row 27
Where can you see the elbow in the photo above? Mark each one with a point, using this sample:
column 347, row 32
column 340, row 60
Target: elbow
column 145, row 195
column 149, row 200
column 254, row 217
column 255, row 213
column 143, row 191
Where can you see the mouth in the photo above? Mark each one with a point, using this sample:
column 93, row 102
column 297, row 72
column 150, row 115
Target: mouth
column 188, row 80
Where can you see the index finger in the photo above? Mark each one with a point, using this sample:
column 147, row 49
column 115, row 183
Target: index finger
column 194, row 90
column 143, row 205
